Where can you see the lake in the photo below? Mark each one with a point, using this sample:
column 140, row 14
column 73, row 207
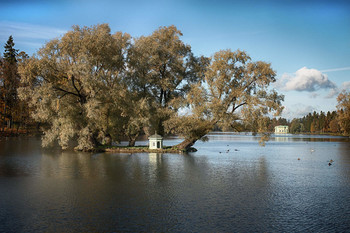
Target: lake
column 231, row 184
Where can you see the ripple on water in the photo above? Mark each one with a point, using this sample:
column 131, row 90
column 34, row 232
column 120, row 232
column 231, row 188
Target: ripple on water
column 249, row 189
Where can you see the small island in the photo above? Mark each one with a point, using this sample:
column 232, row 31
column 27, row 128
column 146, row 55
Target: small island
column 140, row 149
column 155, row 145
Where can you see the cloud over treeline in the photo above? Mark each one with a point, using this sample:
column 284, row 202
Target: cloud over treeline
column 335, row 91
column 305, row 79
column 346, row 85
column 298, row 111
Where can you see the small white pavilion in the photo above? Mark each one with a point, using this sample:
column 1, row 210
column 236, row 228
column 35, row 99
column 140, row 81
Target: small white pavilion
column 155, row 141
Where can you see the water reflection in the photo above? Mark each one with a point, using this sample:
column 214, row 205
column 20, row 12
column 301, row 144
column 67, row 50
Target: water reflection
column 309, row 138
column 343, row 150
column 159, row 167
column 249, row 189
column 281, row 139
column 226, row 136
column 11, row 170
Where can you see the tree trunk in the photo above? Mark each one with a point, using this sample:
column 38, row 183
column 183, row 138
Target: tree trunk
column 132, row 139
column 38, row 127
column 93, row 138
column 107, row 140
column 160, row 127
column 186, row 144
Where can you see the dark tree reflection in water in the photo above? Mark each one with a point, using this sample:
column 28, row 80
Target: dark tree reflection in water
column 229, row 184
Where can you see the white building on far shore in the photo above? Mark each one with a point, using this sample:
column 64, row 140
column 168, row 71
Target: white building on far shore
column 281, row 129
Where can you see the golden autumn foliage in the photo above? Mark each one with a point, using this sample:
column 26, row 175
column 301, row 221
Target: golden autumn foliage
column 343, row 108
column 162, row 68
column 94, row 87
column 75, row 85
column 234, row 88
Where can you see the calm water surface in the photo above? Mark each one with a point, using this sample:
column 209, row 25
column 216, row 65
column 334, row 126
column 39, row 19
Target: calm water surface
column 230, row 184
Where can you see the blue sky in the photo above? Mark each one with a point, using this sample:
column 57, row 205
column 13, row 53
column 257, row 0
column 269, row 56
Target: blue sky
column 307, row 42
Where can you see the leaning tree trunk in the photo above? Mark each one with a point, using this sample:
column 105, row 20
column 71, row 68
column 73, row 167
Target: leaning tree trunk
column 186, row 144
column 132, row 139
column 132, row 142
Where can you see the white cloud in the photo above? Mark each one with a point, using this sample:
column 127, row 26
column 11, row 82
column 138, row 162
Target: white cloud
column 314, row 95
column 332, row 93
column 28, row 31
column 297, row 111
column 335, row 69
column 305, row 79
column 335, row 91
column 345, row 86
column 28, row 37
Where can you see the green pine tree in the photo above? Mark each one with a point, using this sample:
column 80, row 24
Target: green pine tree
column 10, row 52
column 10, row 82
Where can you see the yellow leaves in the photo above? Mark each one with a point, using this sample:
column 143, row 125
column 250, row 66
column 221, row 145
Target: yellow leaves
column 264, row 138
column 198, row 100
column 188, row 126
column 343, row 109
column 161, row 58
column 111, row 84
column 234, row 81
column 344, row 100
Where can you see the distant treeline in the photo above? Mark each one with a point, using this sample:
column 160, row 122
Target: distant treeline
column 317, row 123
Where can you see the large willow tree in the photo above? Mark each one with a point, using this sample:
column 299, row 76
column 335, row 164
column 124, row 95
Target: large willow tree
column 162, row 68
column 74, row 85
column 235, row 89
column 94, row 87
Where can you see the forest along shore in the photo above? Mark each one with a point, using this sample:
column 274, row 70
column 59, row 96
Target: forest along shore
column 12, row 132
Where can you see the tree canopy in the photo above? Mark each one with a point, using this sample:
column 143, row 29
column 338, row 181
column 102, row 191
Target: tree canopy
column 344, row 112
column 74, row 84
column 232, row 82
column 162, row 68
column 94, row 87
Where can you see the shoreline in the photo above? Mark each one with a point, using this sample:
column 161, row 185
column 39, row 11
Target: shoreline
column 144, row 149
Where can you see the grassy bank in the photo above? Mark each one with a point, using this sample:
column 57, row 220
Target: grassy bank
column 141, row 149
